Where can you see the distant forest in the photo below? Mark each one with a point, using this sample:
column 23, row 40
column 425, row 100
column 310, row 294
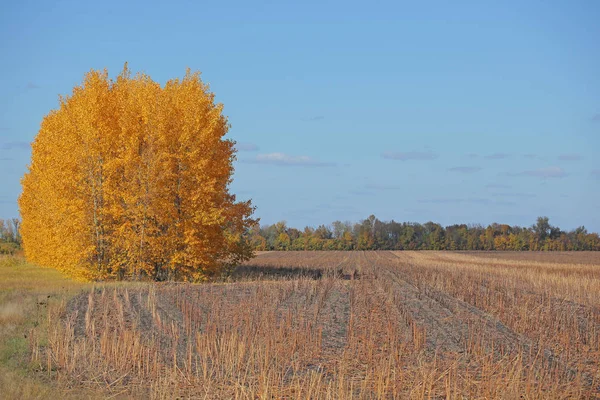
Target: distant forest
column 10, row 238
column 373, row 234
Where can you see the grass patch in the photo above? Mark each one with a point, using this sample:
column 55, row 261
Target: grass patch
column 26, row 293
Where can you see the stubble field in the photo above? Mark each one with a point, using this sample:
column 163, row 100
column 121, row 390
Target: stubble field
column 339, row 325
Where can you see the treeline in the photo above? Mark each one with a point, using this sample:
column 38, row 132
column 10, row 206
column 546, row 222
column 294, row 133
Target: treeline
column 373, row 234
column 10, row 238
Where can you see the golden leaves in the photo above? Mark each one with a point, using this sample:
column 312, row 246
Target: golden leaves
column 130, row 179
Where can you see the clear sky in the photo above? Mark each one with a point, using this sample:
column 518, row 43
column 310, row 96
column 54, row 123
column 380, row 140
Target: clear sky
column 451, row 111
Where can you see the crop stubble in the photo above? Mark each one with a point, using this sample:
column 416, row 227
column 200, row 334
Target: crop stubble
column 342, row 325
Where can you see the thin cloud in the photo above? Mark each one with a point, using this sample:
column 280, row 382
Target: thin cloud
column 441, row 201
column 570, row 157
column 470, row 200
column 361, row 193
column 531, row 156
column 497, row 186
column 411, row 155
column 245, row 146
column 315, row 118
column 379, row 186
column 514, row 194
column 286, row 160
column 15, row 146
column 7, row 200
column 506, row 203
column 471, row 155
column 478, row 200
column 497, row 156
column 548, row 172
column 465, row 170
column 336, row 207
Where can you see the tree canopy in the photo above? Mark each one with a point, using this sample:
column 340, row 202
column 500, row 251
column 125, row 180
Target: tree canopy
column 373, row 234
column 129, row 180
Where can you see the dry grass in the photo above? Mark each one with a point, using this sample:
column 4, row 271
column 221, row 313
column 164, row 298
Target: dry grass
column 26, row 291
column 27, row 294
column 550, row 257
column 301, row 325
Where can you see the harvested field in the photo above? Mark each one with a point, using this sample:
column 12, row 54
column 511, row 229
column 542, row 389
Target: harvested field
column 552, row 257
column 342, row 325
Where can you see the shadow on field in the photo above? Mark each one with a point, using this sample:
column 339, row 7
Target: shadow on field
column 256, row 272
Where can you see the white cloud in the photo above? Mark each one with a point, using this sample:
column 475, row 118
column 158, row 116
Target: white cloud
column 314, row 118
column 548, row 172
column 410, row 155
column 570, row 157
column 283, row 159
column 465, row 170
column 245, row 146
column 497, row 156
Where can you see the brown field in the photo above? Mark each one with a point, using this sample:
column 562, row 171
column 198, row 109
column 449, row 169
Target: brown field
column 552, row 257
column 340, row 325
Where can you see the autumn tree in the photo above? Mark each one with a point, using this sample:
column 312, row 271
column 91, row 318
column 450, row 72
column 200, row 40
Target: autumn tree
column 129, row 180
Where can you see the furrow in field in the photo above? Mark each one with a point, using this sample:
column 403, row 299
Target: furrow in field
column 498, row 335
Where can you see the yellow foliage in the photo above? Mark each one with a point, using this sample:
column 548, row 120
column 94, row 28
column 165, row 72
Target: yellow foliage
column 129, row 179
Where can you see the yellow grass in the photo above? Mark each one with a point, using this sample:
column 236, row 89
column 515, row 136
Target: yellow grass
column 26, row 292
column 337, row 325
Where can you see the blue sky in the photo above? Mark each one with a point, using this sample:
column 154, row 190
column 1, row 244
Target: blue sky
column 462, row 111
